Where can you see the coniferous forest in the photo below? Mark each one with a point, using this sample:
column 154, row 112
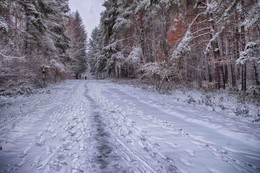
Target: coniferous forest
column 210, row 44
column 158, row 86
column 41, row 42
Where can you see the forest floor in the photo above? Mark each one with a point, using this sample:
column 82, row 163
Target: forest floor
column 96, row 126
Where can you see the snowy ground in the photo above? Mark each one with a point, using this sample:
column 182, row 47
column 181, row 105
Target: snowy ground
column 96, row 126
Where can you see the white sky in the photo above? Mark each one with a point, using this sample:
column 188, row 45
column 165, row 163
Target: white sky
column 89, row 11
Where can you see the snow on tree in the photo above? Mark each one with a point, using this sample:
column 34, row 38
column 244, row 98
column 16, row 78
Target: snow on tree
column 32, row 33
column 195, row 41
column 250, row 54
column 77, row 51
column 3, row 25
column 183, row 47
column 252, row 17
column 135, row 55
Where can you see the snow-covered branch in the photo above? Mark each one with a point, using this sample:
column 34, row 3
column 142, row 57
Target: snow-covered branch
column 251, row 53
column 10, row 58
column 183, row 46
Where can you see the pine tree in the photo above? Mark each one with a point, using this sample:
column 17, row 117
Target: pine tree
column 33, row 38
column 78, row 38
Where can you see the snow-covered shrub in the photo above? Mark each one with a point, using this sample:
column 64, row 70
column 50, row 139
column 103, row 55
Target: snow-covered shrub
column 191, row 100
column 135, row 56
column 119, row 60
column 157, row 74
column 207, row 100
column 242, row 109
column 19, row 87
column 58, row 70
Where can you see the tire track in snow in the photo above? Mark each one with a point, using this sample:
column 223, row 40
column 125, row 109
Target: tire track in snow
column 111, row 150
column 105, row 155
column 134, row 146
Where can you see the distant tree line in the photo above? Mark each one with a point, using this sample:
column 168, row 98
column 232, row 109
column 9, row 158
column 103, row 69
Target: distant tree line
column 40, row 40
column 212, row 44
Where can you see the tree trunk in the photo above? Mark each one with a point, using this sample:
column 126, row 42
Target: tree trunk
column 257, row 82
column 216, row 52
column 243, row 44
column 140, row 21
column 210, row 74
column 236, row 47
column 223, row 77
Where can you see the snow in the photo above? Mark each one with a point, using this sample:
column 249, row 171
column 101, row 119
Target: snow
column 143, row 5
column 252, row 17
column 183, row 47
column 3, row 25
column 135, row 55
column 121, row 23
column 98, row 126
column 251, row 53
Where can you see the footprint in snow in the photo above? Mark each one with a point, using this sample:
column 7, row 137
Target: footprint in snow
column 48, row 150
column 185, row 162
column 25, row 151
column 190, row 152
column 36, row 163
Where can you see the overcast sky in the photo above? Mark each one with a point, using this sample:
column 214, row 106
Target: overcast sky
column 89, row 11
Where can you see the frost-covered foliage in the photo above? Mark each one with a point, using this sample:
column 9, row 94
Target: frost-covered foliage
column 3, row 25
column 113, row 47
column 57, row 65
column 123, row 20
column 183, row 48
column 150, row 70
column 190, row 41
column 252, row 17
column 32, row 33
column 143, row 5
column 122, row 23
column 135, row 55
column 78, row 40
column 157, row 74
column 251, row 53
column 119, row 56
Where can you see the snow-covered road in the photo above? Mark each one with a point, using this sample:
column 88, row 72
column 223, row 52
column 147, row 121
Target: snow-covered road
column 97, row 126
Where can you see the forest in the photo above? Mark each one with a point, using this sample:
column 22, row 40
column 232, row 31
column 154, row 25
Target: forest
column 41, row 42
column 158, row 86
column 204, row 44
column 209, row 44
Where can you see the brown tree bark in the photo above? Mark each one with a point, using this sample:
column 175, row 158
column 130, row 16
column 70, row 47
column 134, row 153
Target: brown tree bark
column 216, row 52
column 243, row 44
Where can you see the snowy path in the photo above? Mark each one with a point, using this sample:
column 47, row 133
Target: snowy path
column 96, row 126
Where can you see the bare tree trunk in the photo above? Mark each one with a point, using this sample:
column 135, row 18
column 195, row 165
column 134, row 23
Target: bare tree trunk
column 223, row 55
column 140, row 21
column 216, row 52
column 243, row 44
column 210, row 73
column 226, row 74
column 257, row 82
column 223, row 77
column 233, row 59
column 237, row 40
column 167, row 26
